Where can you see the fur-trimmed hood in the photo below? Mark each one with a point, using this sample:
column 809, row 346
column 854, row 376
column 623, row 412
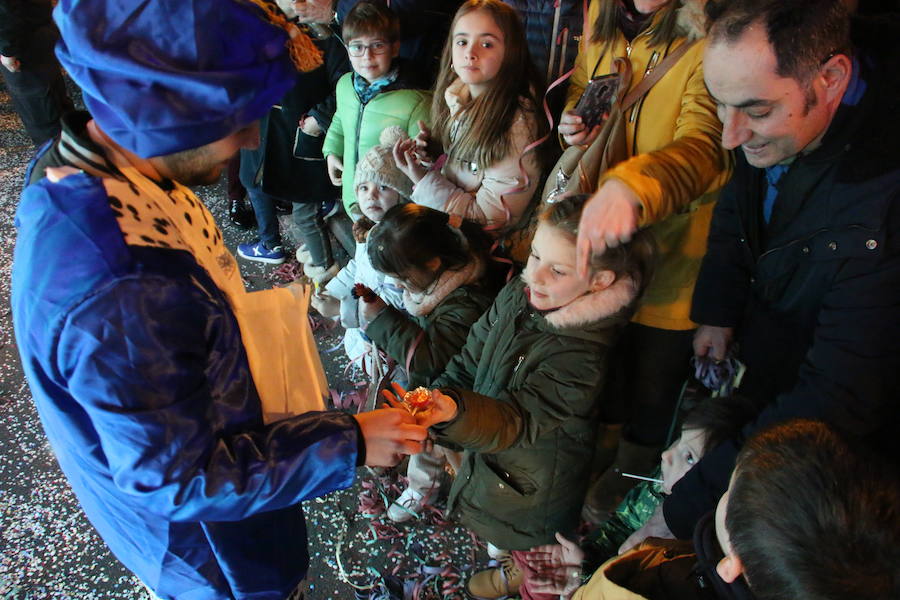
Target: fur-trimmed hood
column 691, row 19
column 593, row 307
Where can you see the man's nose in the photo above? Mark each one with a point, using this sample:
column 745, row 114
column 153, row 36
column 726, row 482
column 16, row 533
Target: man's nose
column 734, row 129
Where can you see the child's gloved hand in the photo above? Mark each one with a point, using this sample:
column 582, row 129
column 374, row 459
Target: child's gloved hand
column 442, row 407
column 326, row 304
column 335, row 169
column 554, row 568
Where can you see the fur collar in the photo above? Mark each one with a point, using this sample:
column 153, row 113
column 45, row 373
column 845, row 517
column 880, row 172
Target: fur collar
column 595, row 306
column 691, row 19
column 422, row 303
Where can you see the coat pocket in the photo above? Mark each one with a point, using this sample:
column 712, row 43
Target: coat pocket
column 308, row 147
column 501, row 478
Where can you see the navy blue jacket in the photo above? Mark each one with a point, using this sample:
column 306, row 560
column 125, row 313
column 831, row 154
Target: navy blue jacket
column 814, row 296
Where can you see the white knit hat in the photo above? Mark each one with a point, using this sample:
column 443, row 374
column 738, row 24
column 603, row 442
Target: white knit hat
column 378, row 164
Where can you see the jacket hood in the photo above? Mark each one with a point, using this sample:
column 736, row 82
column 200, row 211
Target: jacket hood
column 691, row 19
column 594, row 307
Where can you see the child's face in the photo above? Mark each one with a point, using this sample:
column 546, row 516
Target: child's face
column 375, row 199
column 678, row 458
column 550, row 273
column 478, row 50
column 371, row 65
column 417, row 280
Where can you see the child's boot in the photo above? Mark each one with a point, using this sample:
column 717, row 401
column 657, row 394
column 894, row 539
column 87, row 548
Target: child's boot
column 321, row 275
column 495, row 583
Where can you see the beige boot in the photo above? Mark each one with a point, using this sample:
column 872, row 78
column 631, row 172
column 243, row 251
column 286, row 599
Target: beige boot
column 607, row 492
column 498, row 582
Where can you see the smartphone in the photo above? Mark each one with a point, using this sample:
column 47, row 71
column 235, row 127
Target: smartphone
column 597, row 98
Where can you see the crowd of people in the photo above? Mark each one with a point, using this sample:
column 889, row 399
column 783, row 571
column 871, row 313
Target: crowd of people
column 546, row 265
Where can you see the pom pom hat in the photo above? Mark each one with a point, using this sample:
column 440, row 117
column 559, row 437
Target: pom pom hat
column 378, row 166
column 164, row 76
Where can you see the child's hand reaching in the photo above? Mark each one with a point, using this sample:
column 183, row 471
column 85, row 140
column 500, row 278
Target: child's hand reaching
column 426, row 150
column 326, row 304
column 372, row 308
column 442, row 408
column 554, row 568
column 335, row 168
column 407, row 161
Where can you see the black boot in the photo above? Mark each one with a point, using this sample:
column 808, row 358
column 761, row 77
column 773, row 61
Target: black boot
column 241, row 214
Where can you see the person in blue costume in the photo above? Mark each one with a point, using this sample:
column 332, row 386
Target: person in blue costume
column 126, row 307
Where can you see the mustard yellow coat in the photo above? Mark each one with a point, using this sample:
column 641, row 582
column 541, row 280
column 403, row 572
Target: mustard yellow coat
column 677, row 165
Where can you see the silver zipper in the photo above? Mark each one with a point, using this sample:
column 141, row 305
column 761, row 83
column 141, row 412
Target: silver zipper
column 518, row 364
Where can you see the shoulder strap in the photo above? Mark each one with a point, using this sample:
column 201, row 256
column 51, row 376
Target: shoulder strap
column 655, row 75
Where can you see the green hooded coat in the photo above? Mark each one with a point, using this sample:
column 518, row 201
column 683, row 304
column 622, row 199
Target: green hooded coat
column 527, row 386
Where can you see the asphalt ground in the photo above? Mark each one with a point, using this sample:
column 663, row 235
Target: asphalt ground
column 48, row 549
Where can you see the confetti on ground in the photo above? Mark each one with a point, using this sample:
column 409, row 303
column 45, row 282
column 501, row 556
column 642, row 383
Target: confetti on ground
column 48, row 549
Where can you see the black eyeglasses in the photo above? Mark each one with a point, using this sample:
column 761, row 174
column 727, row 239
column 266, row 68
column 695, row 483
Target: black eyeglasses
column 356, row 49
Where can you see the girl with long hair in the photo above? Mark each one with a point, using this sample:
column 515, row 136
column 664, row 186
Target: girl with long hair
column 485, row 120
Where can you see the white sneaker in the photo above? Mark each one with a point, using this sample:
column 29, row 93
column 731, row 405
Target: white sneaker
column 496, row 553
column 406, row 506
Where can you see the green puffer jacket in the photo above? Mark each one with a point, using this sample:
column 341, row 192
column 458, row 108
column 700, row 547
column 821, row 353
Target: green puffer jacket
column 527, row 385
column 445, row 330
column 356, row 127
column 632, row 513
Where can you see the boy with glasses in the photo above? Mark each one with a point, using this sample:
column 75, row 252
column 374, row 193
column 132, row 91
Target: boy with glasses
column 377, row 94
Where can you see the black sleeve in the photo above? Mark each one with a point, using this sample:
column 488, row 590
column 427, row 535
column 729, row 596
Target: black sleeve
column 13, row 28
column 723, row 283
column 336, row 64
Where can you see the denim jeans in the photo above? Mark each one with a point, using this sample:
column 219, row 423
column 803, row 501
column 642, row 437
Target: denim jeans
column 314, row 232
column 306, row 217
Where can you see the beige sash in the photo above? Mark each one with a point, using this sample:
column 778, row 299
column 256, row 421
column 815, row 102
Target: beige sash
column 274, row 323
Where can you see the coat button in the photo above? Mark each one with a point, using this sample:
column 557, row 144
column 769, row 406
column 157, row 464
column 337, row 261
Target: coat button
column 832, row 245
column 500, row 485
column 871, row 244
column 805, row 249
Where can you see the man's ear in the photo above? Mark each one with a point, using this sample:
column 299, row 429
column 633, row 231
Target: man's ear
column 602, row 280
column 730, row 568
column 835, row 74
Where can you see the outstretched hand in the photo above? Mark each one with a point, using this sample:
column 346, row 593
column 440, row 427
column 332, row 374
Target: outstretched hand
column 390, row 433
column 442, row 408
column 609, row 217
column 554, row 568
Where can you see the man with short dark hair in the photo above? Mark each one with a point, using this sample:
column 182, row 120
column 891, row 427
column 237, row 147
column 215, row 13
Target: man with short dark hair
column 807, row 516
column 801, row 278
column 137, row 337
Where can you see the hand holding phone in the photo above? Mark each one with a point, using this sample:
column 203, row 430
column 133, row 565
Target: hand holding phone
column 596, row 100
